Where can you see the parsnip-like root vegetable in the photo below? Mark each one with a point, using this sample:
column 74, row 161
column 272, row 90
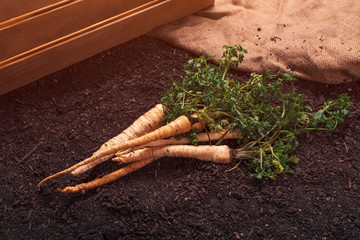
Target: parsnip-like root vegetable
column 202, row 137
column 143, row 157
column 217, row 154
column 108, row 178
column 180, row 125
column 140, row 158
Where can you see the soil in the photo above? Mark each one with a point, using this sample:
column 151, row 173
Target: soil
column 51, row 124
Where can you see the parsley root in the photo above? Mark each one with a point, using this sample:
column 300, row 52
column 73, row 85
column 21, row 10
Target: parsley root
column 201, row 137
column 217, row 154
column 143, row 157
column 180, row 125
column 108, row 178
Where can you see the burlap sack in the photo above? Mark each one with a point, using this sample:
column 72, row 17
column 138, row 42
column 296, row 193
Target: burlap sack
column 317, row 39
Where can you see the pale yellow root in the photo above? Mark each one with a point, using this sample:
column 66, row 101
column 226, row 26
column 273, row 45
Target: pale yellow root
column 180, row 125
column 202, row 137
column 148, row 122
column 108, row 178
column 144, row 124
column 218, row 154
column 90, row 165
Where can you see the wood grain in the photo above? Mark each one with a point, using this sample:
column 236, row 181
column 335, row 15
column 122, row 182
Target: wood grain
column 49, row 42
column 14, row 8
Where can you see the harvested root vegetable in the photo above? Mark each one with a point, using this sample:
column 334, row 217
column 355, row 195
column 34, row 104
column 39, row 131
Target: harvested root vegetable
column 217, row 154
column 90, row 165
column 143, row 157
column 201, row 137
column 108, row 178
column 180, row 125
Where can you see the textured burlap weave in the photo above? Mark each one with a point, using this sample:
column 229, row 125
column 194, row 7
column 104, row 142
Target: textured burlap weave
column 317, row 39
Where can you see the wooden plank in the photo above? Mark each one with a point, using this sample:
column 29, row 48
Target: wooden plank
column 13, row 8
column 62, row 52
column 37, row 28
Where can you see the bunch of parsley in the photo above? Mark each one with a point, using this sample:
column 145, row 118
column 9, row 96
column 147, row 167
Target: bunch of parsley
column 268, row 117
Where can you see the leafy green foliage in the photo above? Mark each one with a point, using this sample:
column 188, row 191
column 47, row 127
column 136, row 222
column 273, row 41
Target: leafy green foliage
column 268, row 117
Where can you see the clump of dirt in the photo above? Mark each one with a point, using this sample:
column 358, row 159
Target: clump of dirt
column 61, row 119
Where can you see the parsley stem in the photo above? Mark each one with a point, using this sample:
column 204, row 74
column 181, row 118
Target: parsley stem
column 261, row 164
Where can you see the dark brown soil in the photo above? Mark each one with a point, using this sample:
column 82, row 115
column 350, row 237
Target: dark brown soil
column 62, row 118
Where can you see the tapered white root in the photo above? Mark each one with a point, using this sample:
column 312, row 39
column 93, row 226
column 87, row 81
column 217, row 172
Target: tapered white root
column 90, row 165
column 143, row 157
column 217, row 154
column 108, row 178
column 202, row 137
column 180, row 125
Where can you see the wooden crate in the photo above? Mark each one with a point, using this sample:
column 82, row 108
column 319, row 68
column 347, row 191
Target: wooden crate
column 43, row 36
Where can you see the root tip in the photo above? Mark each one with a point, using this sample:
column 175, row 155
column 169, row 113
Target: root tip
column 65, row 190
column 75, row 173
